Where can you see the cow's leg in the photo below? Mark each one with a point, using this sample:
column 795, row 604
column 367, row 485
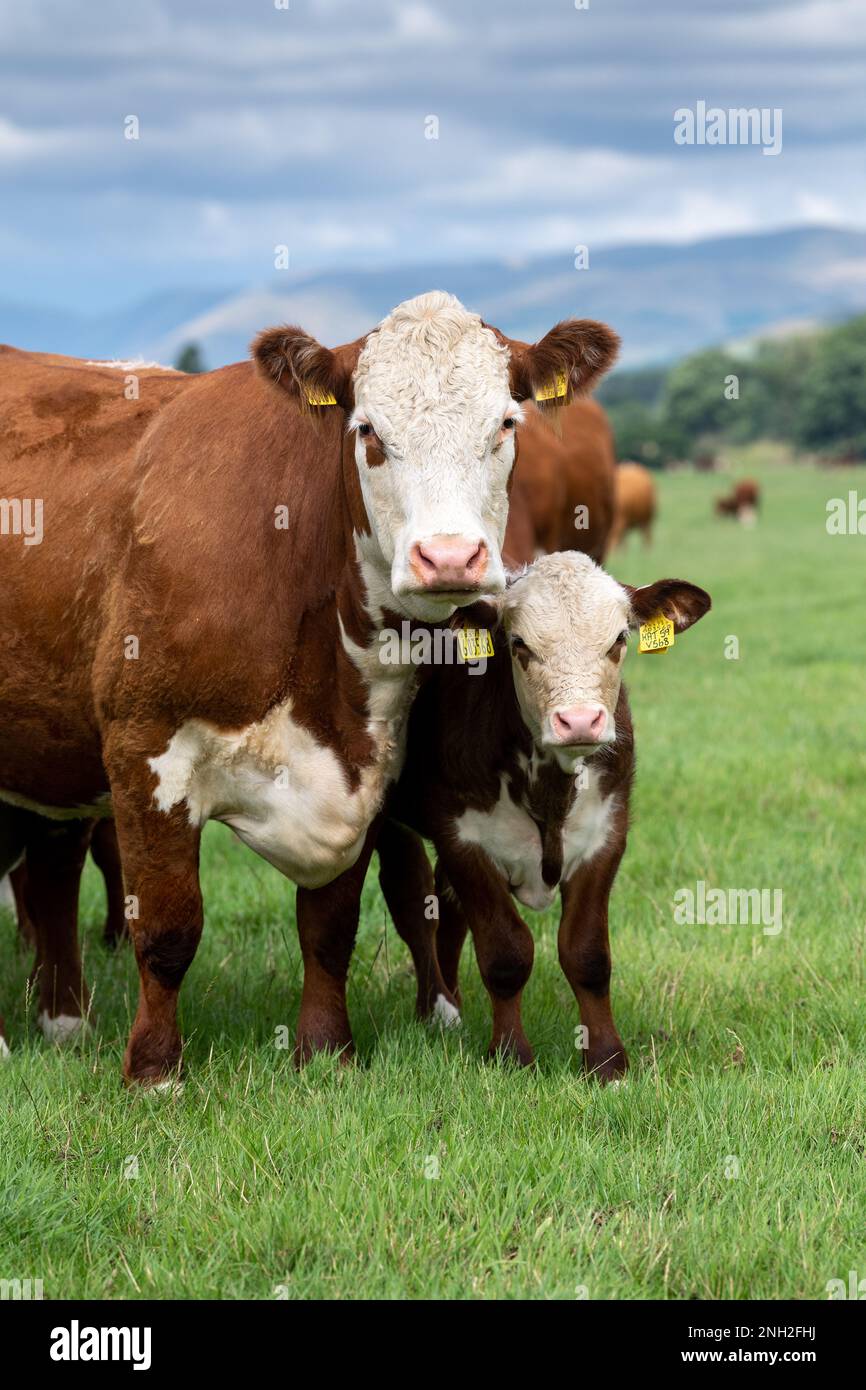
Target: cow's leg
column 18, row 880
column 503, row 946
column 12, row 843
column 106, row 856
column 584, row 953
column 450, row 933
column 327, row 926
column 56, row 851
column 160, row 852
column 407, row 885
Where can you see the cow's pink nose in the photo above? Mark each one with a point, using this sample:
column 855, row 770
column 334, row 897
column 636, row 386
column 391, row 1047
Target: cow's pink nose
column 449, row 562
column 581, row 724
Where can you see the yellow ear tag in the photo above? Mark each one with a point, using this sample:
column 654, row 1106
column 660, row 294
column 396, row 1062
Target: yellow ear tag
column 656, row 635
column 320, row 398
column 473, row 643
column 554, row 390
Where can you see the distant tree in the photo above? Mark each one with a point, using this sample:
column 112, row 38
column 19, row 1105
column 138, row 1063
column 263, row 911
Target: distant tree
column 190, row 359
column 643, row 434
column 830, row 399
column 694, row 400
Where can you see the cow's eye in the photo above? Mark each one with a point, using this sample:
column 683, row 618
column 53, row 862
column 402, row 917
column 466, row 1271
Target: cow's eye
column 365, row 430
column 519, row 648
column 509, row 422
column 618, row 647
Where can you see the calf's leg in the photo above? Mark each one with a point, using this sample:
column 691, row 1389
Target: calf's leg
column 503, row 946
column 451, row 932
column 407, row 885
column 584, row 954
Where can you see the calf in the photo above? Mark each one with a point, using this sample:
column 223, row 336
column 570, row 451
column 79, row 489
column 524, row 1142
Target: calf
column 521, row 778
column 742, row 502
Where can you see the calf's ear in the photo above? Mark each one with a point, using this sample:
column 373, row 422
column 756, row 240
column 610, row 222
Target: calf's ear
column 565, row 363
column 312, row 374
column 678, row 600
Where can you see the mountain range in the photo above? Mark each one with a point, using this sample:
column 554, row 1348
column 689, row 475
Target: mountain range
column 664, row 300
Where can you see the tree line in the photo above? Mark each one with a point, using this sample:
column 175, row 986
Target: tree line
column 808, row 390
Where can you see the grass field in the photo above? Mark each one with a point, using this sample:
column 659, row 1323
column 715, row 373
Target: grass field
column 731, row 1164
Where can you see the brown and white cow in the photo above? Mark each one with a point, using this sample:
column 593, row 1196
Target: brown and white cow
column 742, row 502
column 562, row 497
column 521, row 778
column 195, row 636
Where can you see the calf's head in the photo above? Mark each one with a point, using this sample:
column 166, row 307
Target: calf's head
column 432, row 401
column 567, row 623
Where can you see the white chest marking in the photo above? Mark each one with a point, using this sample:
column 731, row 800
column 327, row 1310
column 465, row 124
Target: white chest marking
column 510, row 837
column 282, row 793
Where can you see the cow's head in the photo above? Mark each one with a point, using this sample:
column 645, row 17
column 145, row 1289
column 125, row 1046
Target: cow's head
column 432, row 400
column 567, row 622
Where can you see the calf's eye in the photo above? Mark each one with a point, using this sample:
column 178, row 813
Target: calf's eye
column 508, row 423
column 365, row 430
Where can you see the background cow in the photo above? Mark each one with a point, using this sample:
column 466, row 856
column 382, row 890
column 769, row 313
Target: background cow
column 635, row 507
column 742, row 502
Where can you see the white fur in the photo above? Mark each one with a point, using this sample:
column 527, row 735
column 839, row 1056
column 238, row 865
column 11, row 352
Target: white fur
column 4, row 1049
column 445, row 1013
column 7, row 897
column 62, row 1029
column 433, row 382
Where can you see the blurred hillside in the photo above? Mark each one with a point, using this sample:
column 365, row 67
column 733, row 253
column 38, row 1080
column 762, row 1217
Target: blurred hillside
column 664, row 300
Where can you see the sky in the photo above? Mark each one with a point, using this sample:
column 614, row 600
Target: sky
column 306, row 127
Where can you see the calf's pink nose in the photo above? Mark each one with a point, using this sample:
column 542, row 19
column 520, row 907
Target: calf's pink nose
column 580, row 724
column 449, row 562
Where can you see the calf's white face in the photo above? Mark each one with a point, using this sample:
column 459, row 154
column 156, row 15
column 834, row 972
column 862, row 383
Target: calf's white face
column 434, row 425
column 567, row 623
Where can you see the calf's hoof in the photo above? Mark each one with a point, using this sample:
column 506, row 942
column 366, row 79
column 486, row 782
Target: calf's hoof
column 444, row 1011
column 150, row 1065
column 308, row 1044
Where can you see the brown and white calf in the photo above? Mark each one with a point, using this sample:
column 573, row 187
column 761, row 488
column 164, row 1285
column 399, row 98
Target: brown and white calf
column 195, row 636
column 521, row 778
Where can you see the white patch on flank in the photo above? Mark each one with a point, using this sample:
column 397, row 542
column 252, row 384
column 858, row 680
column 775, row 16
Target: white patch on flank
column 445, row 1013
column 4, row 1049
column 62, row 1029
column 588, row 824
column 510, row 837
column 284, row 794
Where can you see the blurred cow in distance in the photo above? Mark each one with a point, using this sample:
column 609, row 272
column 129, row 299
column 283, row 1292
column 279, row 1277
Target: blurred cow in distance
column 635, row 503
column 741, row 503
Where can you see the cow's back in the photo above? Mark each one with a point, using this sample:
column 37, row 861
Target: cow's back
column 68, row 450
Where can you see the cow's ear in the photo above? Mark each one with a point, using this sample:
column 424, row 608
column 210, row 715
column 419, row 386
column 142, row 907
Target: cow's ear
column 565, row 363
column 676, row 599
column 314, row 375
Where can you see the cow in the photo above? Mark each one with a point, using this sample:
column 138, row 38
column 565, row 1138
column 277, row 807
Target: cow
column 562, row 496
column 520, row 775
column 635, row 508
column 195, row 636
column 741, row 503
column 105, row 852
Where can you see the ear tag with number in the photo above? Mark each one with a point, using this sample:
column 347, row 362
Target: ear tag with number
column 554, row 390
column 656, row 635
column 320, row 397
column 473, row 643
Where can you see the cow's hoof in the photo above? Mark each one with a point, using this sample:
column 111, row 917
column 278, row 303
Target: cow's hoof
column 444, row 1013
column 517, row 1051
column 309, row 1045
column 63, row 1029
column 608, row 1068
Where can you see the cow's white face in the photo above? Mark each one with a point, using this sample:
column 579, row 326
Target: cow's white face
column 434, row 436
column 567, row 623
